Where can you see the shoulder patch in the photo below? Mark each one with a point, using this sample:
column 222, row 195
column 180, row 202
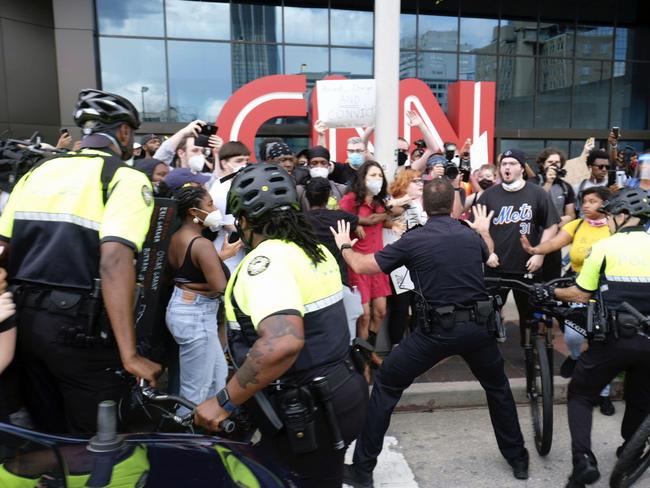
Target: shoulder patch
column 258, row 265
column 147, row 196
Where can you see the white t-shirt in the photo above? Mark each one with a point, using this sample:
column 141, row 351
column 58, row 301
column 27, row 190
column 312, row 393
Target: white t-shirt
column 219, row 194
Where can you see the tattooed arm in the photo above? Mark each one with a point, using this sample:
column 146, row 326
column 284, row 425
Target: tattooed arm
column 281, row 340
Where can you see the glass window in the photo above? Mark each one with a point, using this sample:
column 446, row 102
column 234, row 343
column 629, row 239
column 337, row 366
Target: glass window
column 562, row 145
column 630, row 96
column 477, row 68
column 407, row 64
column 556, row 40
column 252, row 61
column 515, row 89
column 351, row 28
column 479, row 35
column 620, row 43
column 128, row 18
column 633, row 43
column 594, row 42
column 554, row 82
column 591, row 94
column 311, row 61
column 199, row 79
column 438, row 70
column 258, row 23
column 197, row 20
column 517, row 38
column 530, row 147
column 438, row 33
column 352, row 62
column 407, row 30
column 305, row 25
column 144, row 82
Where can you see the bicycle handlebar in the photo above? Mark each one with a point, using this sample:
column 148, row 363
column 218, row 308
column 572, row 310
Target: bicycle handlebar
column 155, row 396
column 521, row 285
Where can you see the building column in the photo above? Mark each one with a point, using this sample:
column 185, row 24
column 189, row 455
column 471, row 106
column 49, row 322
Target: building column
column 387, row 20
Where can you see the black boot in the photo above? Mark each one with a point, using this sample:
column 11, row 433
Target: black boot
column 520, row 465
column 585, row 470
column 356, row 478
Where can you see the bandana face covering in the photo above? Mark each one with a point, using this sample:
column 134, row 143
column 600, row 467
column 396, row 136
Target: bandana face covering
column 514, row 186
column 597, row 222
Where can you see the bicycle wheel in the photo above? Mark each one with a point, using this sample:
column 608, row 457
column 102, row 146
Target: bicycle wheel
column 634, row 459
column 540, row 395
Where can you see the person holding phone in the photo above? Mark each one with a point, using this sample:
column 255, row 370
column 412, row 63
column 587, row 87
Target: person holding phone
column 598, row 164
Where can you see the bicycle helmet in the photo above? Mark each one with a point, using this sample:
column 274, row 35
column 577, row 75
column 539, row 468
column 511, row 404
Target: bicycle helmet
column 632, row 201
column 259, row 189
column 97, row 109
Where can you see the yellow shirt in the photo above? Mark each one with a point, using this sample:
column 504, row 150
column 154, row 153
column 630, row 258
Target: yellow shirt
column 585, row 237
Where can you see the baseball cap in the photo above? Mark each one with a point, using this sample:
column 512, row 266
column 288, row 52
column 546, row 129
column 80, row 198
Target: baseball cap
column 514, row 153
column 178, row 177
column 436, row 159
column 148, row 137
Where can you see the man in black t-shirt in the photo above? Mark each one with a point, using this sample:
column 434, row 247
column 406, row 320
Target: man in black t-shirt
column 519, row 209
column 318, row 191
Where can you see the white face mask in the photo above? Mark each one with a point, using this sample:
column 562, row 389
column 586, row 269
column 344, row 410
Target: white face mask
column 374, row 186
column 214, row 220
column 318, row 172
column 236, row 167
column 196, row 163
column 513, row 186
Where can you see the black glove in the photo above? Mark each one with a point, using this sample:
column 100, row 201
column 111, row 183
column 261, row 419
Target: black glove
column 543, row 293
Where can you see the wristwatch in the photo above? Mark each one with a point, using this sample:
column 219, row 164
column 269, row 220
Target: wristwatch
column 224, row 401
column 345, row 246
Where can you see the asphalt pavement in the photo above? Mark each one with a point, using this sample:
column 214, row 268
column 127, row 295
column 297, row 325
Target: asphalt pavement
column 456, row 448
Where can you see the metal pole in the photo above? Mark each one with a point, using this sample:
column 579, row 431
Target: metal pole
column 387, row 17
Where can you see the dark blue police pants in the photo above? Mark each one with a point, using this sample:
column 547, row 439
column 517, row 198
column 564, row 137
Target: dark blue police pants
column 415, row 355
column 596, row 368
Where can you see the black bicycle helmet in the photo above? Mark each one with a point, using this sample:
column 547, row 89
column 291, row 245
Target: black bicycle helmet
column 259, row 189
column 97, row 109
column 632, row 201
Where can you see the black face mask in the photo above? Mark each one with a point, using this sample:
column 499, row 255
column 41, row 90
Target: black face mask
column 485, row 184
column 401, row 158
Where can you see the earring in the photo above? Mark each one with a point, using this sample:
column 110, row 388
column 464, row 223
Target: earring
column 196, row 220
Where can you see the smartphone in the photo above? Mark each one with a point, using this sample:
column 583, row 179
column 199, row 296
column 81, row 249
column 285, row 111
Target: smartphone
column 611, row 177
column 206, row 131
column 233, row 237
column 63, row 130
column 617, row 132
column 621, row 178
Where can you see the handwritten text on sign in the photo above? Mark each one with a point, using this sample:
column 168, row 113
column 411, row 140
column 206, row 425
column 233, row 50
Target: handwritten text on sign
column 346, row 103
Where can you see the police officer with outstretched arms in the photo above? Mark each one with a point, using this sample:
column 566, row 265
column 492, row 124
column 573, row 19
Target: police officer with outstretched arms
column 288, row 334
column 455, row 317
column 71, row 229
column 616, row 271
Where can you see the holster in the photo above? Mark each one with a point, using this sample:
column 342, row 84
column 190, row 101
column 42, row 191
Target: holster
column 296, row 408
column 445, row 316
column 485, row 312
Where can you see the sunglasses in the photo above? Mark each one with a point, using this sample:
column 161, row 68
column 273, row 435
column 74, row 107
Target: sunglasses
column 417, row 181
column 602, row 166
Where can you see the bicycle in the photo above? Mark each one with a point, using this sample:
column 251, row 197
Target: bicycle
column 538, row 355
column 635, row 457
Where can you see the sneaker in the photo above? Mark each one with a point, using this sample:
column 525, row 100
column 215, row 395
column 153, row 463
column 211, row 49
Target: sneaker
column 566, row 370
column 585, row 470
column 607, row 407
column 520, row 465
column 356, row 478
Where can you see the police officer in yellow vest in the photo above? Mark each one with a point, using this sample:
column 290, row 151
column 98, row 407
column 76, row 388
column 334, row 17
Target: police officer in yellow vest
column 71, row 230
column 618, row 267
column 288, row 334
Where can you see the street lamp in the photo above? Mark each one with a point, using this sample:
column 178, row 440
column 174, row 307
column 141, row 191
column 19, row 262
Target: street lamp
column 143, row 90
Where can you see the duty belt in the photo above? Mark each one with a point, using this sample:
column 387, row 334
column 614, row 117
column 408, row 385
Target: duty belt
column 72, row 303
column 335, row 378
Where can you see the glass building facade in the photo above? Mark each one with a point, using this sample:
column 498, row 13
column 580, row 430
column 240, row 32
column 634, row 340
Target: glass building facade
column 563, row 70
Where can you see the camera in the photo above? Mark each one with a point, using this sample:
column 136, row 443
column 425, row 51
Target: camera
column 452, row 168
column 560, row 172
column 420, row 144
column 203, row 138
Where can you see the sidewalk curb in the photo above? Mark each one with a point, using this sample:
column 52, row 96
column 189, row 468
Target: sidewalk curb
column 462, row 394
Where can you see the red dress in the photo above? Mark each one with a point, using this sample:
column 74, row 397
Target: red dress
column 376, row 285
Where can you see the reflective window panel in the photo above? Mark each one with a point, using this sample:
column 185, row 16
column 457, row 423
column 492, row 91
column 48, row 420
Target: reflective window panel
column 479, row 35
column 407, row 64
column 594, row 42
column 257, row 23
column 407, row 28
column 630, row 95
column 192, row 19
column 517, row 38
column 554, row 85
column 351, row 28
column 128, row 18
column 515, row 90
column 352, row 62
column 477, row 68
column 305, row 25
column 437, row 33
column 591, row 94
column 252, row 61
column 438, row 70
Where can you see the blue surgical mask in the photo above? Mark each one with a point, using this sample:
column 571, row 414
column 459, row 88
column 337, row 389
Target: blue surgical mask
column 355, row 159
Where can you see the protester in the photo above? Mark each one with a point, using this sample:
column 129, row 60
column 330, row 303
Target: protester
column 199, row 280
column 181, row 147
column 598, row 164
column 346, row 173
column 181, row 176
column 486, row 177
column 320, row 166
column 155, row 170
column 150, row 144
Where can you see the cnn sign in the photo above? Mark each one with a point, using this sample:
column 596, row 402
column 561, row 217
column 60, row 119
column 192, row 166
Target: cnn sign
column 471, row 107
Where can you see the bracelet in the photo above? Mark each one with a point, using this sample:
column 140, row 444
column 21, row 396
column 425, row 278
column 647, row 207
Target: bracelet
column 345, row 246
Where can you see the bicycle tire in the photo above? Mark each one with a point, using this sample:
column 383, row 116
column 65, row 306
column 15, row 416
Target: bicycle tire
column 539, row 385
column 634, row 459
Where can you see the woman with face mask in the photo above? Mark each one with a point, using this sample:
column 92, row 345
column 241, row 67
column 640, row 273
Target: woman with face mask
column 485, row 177
column 366, row 200
column 199, row 280
column 320, row 166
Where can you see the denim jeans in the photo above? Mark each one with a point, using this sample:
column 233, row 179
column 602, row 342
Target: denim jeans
column 192, row 320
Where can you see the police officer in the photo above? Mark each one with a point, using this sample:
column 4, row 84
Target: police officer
column 288, row 334
column 71, row 221
column 445, row 260
column 618, row 266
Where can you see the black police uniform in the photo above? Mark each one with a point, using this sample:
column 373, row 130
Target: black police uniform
column 445, row 260
column 619, row 266
column 55, row 221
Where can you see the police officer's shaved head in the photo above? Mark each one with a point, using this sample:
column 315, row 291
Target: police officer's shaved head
column 438, row 196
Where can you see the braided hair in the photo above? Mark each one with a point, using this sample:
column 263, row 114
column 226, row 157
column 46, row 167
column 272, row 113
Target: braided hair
column 189, row 197
column 291, row 225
